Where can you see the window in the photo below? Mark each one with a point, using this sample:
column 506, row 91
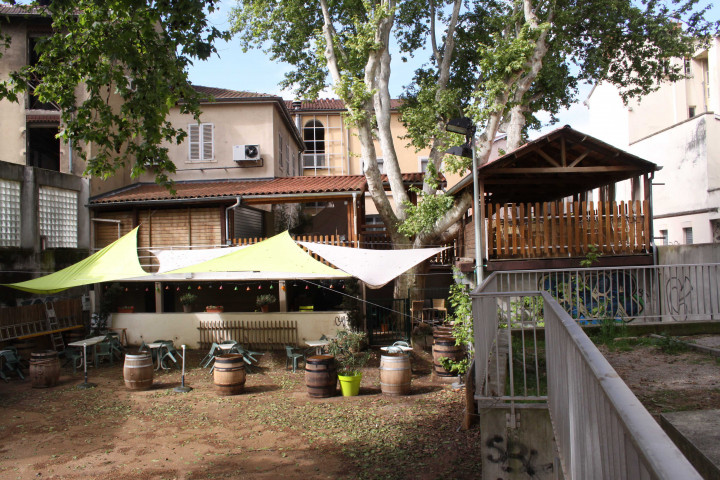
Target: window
column 33, row 102
column 9, row 213
column 691, row 112
column 43, row 147
column 687, row 66
column 58, row 217
column 423, row 163
column 381, row 165
column 201, row 147
column 374, row 223
column 314, row 138
column 664, row 236
column 688, row 235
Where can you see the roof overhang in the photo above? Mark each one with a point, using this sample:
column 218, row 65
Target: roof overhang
column 557, row 165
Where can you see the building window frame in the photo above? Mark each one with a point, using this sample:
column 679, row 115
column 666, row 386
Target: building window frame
column 201, row 142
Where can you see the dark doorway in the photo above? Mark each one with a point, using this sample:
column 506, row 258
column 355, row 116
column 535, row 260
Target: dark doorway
column 43, row 148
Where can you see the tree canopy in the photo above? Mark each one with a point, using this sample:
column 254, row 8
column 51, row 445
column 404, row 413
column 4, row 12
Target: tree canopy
column 115, row 69
column 498, row 62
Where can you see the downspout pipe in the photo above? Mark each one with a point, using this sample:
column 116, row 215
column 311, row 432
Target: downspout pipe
column 227, row 218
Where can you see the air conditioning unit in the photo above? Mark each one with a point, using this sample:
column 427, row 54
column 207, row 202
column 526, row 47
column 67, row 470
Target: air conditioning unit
column 246, row 152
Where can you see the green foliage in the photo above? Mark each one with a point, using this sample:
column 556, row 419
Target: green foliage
column 108, row 301
column 455, row 367
column 188, row 298
column 115, row 69
column 462, row 322
column 347, row 348
column 591, row 257
column 265, row 299
column 523, row 311
column 672, row 345
column 429, row 208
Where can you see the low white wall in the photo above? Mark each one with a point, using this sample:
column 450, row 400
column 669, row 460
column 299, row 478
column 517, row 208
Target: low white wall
column 182, row 328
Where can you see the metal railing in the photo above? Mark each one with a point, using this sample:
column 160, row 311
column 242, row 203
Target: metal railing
column 601, row 429
column 675, row 293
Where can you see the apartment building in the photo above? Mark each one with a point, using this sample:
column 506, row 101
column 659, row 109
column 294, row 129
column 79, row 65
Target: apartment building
column 677, row 127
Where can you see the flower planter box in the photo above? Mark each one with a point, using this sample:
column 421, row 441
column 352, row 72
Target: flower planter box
column 126, row 309
column 214, row 309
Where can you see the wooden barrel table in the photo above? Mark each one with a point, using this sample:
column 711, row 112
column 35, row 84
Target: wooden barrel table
column 321, row 376
column 395, row 374
column 138, row 371
column 445, row 347
column 44, row 369
column 229, row 374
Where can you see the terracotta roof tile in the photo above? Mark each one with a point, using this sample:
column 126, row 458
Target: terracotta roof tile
column 223, row 93
column 13, row 10
column 144, row 192
column 217, row 189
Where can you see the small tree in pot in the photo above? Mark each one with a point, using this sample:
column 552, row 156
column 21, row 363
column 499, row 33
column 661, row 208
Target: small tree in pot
column 347, row 348
column 264, row 301
column 187, row 300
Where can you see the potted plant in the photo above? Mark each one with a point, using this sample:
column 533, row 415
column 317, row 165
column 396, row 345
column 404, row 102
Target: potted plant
column 347, row 348
column 264, row 301
column 214, row 309
column 187, row 300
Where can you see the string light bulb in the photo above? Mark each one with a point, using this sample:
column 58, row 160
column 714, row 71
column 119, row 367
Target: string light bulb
column 199, row 287
column 259, row 287
column 178, row 289
column 236, row 288
column 248, row 288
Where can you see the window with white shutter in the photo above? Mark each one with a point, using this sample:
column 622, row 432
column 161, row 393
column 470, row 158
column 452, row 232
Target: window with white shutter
column 200, row 142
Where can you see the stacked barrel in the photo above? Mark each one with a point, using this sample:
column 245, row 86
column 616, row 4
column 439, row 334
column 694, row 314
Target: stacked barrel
column 444, row 345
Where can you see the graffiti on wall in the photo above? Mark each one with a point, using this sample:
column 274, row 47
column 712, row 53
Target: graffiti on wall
column 678, row 295
column 515, row 457
column 592, row 295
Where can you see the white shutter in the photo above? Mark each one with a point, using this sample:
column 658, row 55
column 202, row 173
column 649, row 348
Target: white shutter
column 194, row 144
column 207, row 141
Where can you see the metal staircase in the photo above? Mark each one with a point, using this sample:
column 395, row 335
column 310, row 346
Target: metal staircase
column 56, row 337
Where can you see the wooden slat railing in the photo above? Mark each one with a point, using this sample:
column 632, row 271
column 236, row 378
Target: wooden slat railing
column 558, row 229
column 259, row 334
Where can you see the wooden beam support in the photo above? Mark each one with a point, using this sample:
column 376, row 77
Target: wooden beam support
column 547, row 157
column 559, row 169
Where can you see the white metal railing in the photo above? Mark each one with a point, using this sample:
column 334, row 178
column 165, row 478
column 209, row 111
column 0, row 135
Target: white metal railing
column 601, row 429
column 674, row 293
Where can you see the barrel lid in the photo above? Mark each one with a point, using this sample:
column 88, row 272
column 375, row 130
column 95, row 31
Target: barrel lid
column 320, row 358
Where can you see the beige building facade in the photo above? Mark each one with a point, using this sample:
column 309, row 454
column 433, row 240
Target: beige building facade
column 677, row 127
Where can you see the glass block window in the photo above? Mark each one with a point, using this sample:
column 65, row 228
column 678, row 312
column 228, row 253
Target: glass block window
column 9, row 213
column 58, row 217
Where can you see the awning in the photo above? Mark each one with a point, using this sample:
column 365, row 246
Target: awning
column 374, row 267
column 175, row 259
column 117, row 261
column 277, row 257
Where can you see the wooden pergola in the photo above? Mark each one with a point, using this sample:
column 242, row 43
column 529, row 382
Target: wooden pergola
column 535, row 199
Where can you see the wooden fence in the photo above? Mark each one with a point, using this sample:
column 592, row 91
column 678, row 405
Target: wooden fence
column 31, row 320
column 557, row 229
column 259, row 334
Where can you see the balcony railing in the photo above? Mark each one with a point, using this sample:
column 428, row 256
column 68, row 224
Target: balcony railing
column 559, row 229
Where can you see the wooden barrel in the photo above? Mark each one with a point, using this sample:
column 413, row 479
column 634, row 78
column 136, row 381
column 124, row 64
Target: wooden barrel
column 138, row 371
column 445, row 347
column 395, row 374
column 442, row 331
column 321, row 376
column 229, row 374
column 44, row 369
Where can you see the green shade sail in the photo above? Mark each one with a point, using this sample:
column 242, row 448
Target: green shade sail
column 117, row 261
column 276, row 254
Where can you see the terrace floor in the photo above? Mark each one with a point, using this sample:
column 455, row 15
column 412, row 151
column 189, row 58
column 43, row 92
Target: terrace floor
column 272, row 430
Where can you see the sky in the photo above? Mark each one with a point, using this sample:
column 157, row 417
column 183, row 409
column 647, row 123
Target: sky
column 254, row 72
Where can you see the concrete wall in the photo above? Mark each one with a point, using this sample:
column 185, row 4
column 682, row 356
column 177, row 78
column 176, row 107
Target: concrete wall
column 182, row 328
column 526, row 452
column 12, row 117
column 689, row 254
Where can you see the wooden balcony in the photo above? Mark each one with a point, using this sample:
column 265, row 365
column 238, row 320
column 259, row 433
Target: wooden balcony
column 562, row 230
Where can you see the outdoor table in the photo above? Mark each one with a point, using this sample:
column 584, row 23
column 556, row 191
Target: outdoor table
column 90, row 342
column 157, row 346
column 318, row 344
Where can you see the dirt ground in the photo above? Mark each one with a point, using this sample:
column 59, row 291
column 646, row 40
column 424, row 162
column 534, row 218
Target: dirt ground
column 668, row 382
column 272, row 430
